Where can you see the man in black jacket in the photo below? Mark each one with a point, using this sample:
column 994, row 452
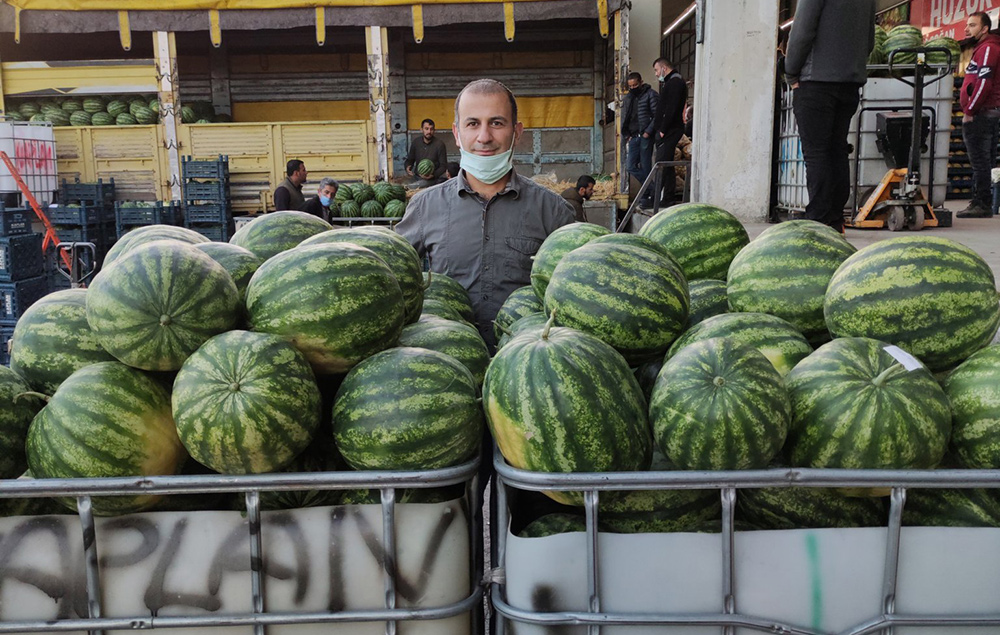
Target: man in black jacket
column 826, row 67
column 638, row 108
column 668, row 123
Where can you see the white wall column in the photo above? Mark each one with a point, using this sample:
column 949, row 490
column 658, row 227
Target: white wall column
column 644, row 35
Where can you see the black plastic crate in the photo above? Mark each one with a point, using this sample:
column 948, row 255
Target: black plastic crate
column 99, row 193
column 200, row 169
column 128, row 216
column 101, row 234
column 15, row 220
column 58, row 282
column 206, row 192
column 209, row 214
column 83, row 215
column 21, row 257
column 6, row 335
column 217, row 233
column 16, row 297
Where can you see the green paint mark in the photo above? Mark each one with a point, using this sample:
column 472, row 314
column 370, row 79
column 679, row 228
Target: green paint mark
column 812, row 550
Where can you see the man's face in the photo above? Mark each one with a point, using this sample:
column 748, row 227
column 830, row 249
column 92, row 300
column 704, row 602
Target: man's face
column 485, row 125
column 974, row 27
column 328, row 191
column 428, row 130
column 660, row 70
column 302, row 173
column 632, row 84
column 588, row 192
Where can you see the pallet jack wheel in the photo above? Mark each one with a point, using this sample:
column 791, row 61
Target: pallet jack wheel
column 895, row 219
column 918, row 220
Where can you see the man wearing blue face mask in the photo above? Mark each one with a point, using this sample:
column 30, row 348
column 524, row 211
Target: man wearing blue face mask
column 483, row 227
column 319, row 205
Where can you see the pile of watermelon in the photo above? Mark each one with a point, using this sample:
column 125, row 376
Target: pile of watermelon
column 359, row 200
column 905, row 36
column 106, row 110
column 294, row 347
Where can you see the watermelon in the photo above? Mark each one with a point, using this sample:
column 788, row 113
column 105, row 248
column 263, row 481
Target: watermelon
column 320, row 456
column 399, row 193
column 39, row 118
column 395, row 251
column 461, row 341
column 271, row 234
column 808, row 508
column 17, row 409
column 117, row 107
column 344, row 193
column 425, row 168
column 383, row 193
column 362, row 193
column 646, row 374
column 431, row 418
column 856, row 406
column 708, row 298
column 102, row 119
column 719, row 405
column 554, row 524
column 106, row 420
column 877, row 55
column 931, row 296
column 246, row 403
column 10, row 507
column 941, row 58
column 143, row 115
column 703, row 238
column 519, row 303
column 28, row 108
column 154, row 105
column 52, row 340
column 779, row 341
column 57, row 117
column 333, row 209
column 951, row 508
column 350, row 209
column 72, row 105
column 125, row 119
column 901, row 37
column 204, row 121
column 14, row 115
column 239, row 262
column 372, row 209
column 142, row 235
column 556, row 245
column 93, row 105
column 159, row 303
column 187, row 114
column 438, row 286
column 530, row 321
column 560, row 400
column 434, row 307
column 395, row 209
column 80, row 118
column 974, row 393
column 405, row 496
column 785, row 272
column 337, row 303
column 628, row 296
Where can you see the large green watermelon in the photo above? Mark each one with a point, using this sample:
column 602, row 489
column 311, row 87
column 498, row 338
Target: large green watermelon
column 556, row 245
column 931, row 296
column 779, row 341
column 951, row 508
column 941, row 58
column 973, row 390
column 383, row 193
column 72, row 105
column 395, row 209
column 461, row 341
column 93, row 105
column 518, row 304
column 635, row 240
column 159, row 303
column 530, row 321
column 441, row 287
column 554, row 524
column 271, row 234
column 52, row 340
column 80, row 118
column 394, row 250
column 125, row 119
column 106, row 420
column 337, row 303
column 439, row 308
column 708, row 298
column 903, row 36
column 142, row 235
column 362, row 193
column 425, row 168
column 246, row 403
column 877, row 55
column 344, row 193
column 372, row 209
column 320, row 456
column 16, row 412
column 856, row 406
column 719, row 405
column 785, row 272
column 102, row 119
column 808, row 508
column 430, row 418
column 560, row 400
column 628, row 296
column 239, row 262
column 703, row 238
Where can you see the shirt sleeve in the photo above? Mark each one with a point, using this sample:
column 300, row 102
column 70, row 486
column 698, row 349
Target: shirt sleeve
column 411, row 154
column 441, row 161
column 411, row 227
column 803, row 36
column 982, row 87
column 282, row 199
column 652, row 97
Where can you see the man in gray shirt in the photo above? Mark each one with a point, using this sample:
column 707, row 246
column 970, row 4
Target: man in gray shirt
column 483, row 227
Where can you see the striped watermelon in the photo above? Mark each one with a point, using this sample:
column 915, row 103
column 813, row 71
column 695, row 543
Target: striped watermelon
column 530, row 321
column 246, row 403
column 903, row 36
column 350, row 209
column 125, row 119
column 518, row 304
column 395, row 209
column 394, row 250
column 52, row 340
column 106, row 420
column 931, row 296
column 703, row 238
column 344, row 193
column 102, row 119
column 461, row 341
column 13, row 115
column 951, row 508
column 383, row 193
column 239, row 262
column 188, row 114
column 142, row 235
column 973, row 390
column 117, row 107
column 362, row 193
column 399, row 192
column 560, row 400
column 855, row 406
column 719, row 405
column 556, row 245
column 940, row 58
column 28, row 108
column 708, row 298
column 143, row 115
column 554, row 524
column 425, row 168
column 337, row 303
column 72, row 105
column 438, row 286
column 80, row 118
column 877, row 55
column 16, row 412
column 57, row 117
column 93, row 105
column 271, row 234
column 785, row 272
column 159, row 303
column 431, row 418
column 808, row 508
column 372, row 209
column 779, row 341
column 634, row 240
column 320, row 456
column 626, row 295
column 438, row 308
column 646, row 374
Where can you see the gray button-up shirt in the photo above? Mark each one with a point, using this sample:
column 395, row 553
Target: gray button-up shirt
column 485, row 245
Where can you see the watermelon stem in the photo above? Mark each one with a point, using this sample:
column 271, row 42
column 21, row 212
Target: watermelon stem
column 878, row 381
column 548, row 325
column 31, row 393
column 427, row 285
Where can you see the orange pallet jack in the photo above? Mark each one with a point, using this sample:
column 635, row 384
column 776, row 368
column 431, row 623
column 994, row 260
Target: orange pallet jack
column 898, row 201
column 70, row 254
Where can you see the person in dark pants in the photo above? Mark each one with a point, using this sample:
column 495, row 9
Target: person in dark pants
column 638, row 109
column 668, row 124
column 826, row 67
column 980, row 99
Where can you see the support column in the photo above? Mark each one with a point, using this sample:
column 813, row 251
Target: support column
column 397, row 100
column 621, row 72
column 597, row 138
column 165, row 51
column 734, row 106
column 222, row 98
column 3, row 108
column 378, row 96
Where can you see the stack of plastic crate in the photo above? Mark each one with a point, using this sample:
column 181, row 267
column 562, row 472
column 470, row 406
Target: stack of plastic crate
column 22, row 271
column 207, row 204
column 86, row 214
column 129, row 215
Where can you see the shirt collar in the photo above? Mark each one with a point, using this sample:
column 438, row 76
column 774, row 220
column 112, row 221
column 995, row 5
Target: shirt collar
column 514, row 185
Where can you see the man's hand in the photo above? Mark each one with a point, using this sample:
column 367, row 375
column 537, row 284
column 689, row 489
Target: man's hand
column 409, row 170
column 966, row 118
column 661, row 135
column 795, row 85
column 645, row 135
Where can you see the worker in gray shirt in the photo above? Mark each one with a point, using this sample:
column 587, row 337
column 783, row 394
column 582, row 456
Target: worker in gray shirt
column 483, row 227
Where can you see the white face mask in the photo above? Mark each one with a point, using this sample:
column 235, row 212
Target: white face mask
column 488, row 169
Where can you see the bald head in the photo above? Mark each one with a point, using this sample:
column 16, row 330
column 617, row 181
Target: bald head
column 487, row 87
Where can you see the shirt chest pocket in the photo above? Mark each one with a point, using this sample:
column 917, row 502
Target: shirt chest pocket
column 520, row 252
